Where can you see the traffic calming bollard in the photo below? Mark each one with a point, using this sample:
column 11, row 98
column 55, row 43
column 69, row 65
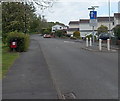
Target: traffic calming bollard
column 90, row 42
column 100, row 44
column 108, row 44
column 86, row 42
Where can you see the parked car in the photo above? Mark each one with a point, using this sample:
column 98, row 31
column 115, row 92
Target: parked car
column 47, row 36
column 105, row 36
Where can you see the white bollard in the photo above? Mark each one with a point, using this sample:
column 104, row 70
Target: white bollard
column 100, row 44
column 86, row 42
column 90, row 41
column 108, row 44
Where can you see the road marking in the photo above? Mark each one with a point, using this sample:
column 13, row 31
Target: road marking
column 69, row 42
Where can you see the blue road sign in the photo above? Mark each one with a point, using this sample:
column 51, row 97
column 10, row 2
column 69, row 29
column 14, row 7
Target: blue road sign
column 93, row 14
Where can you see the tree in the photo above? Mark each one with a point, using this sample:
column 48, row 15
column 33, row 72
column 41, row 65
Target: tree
column 21, row 16
column 0, row 19
column 117, row 32
column 14, row 18
column 102, row 29
column 43, row 4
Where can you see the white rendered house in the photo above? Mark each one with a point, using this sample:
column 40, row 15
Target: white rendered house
column 57, row 27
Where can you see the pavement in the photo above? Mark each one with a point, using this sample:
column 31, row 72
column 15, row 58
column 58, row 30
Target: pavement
column 95, row 47
column 104, row 49
column 29, row 77
column 62, row 69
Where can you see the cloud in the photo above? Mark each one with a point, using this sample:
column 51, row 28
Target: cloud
column 87, row 1
column 76, row 9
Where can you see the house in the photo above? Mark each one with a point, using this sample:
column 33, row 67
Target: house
column 73, row 26
column 117, row 19
column 84, row 27
column 59, row 27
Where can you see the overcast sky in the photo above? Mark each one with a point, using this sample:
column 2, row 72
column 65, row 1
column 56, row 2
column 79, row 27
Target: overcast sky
column 72, row 10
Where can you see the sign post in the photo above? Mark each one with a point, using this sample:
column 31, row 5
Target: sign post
column 93, row 21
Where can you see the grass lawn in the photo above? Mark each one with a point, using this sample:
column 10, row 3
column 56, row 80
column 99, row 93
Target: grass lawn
column 8, row 59
column 0, row 58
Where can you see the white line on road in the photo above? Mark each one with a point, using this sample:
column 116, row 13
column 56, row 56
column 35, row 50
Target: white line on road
column 69, row 42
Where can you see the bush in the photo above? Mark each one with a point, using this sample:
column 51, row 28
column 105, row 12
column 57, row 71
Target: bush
column 91, row 36
column 102, row 29
column 46, row 31
column 76, row 34
column 73, row 38
column 60, row 33
column 21, row 39
column 117, row 32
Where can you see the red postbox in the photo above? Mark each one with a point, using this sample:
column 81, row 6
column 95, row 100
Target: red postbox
column 13, row 44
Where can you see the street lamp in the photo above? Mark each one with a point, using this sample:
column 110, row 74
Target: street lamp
column 109, row 15
column 25, row 15
column 93, row 8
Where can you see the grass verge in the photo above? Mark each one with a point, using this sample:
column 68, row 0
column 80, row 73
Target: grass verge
column 8, row 59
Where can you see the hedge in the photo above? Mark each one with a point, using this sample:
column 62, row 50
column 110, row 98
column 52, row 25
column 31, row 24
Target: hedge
column 117, row 31
column 21, row 39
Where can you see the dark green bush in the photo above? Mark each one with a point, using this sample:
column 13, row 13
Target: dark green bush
column 46, row 31
column 21, row 39
column 60, row 33
column 117, row 32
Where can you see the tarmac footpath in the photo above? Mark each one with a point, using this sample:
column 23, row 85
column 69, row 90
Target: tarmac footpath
column 29, row 77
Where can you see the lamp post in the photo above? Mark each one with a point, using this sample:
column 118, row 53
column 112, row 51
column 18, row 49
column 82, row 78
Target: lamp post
column 93, row 9
column 109, row 17
column 25, row 15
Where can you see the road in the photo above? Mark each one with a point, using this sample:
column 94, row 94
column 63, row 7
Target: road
column 88, row 75
column 75, row 72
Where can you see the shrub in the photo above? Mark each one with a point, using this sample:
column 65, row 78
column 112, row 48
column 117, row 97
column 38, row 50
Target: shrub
column 60, row 33
column 76, row 34
column 73, row 38
column 21, row 39
column 117, row 32
column 46, row 31
column 91, row 36
column 102, row 29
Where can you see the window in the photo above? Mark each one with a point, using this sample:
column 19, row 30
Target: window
column 113, row 23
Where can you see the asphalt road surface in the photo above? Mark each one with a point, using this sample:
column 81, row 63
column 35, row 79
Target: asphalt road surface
column 74, row 72
column 29, row 77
